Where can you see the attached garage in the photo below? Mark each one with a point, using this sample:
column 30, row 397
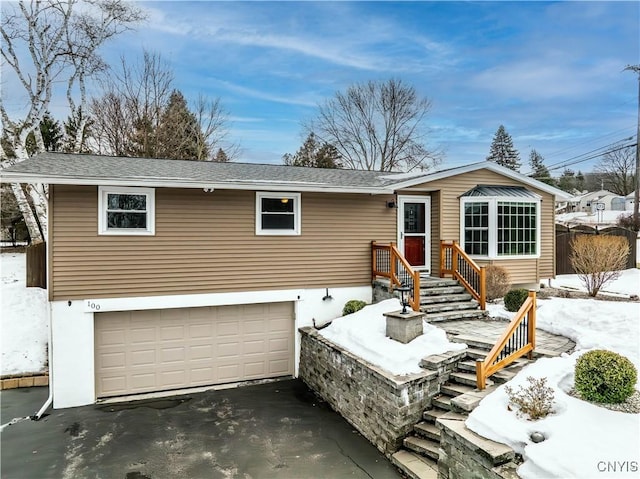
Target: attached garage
column 158, row 350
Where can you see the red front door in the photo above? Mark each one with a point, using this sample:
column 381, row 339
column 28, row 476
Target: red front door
column 413, row 226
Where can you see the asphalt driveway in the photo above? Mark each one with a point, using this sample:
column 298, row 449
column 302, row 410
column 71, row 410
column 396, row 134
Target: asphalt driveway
column 275, row 430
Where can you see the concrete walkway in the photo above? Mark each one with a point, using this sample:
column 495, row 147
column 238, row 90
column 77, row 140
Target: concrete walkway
column 489, row 330
column 275, row 430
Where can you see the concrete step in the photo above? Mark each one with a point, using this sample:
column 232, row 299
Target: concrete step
column 415, row 466
column 450, row 315
column 473, row 342
column 448, row 306
column 475, row 353
column 440, row 290
column 431, row 415
column 454, row 389
column 431, row 282
column 443, row 402
column 467, row 366
column 467, row 379
column 427, row 430
column 445, row 298
column 424, row 447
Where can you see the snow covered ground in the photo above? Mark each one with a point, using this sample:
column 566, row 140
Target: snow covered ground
column 364, row 334
column 602, row 218
column 627, row 284
column 583, row 440
column 24, row 325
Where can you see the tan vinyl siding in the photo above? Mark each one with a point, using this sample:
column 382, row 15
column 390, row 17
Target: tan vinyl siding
column 450, row 189
column 206, row 242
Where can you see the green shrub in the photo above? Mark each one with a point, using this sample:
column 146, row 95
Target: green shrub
column 605, row 377
column 498, row 281
column 535, row 400
column 514, row 299
column 352, row 306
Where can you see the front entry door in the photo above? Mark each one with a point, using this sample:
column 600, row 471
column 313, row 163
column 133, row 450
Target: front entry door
column 414, row 224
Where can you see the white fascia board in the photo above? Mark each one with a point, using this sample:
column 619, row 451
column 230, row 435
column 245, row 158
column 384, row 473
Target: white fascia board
column 159, row 183
column 488, row 165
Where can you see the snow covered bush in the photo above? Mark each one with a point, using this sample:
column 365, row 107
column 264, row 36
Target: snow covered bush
column 598, row 259
column 514, row 299
column 535, row 400
column 352, row 306
column 605, row 377
column 497, row 280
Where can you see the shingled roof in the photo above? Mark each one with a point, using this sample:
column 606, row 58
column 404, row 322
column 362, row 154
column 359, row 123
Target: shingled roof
column 66, row 168
column 83, row 169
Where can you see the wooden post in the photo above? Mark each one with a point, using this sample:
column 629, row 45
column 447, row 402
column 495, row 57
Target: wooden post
column 483, row 288
column 480, row 375
column 443, row 257
column 531, row 324
column 416, row 291
column 454, row 259
column 392, row 265
column 374, row 261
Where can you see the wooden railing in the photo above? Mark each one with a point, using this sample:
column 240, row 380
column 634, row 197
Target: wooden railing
column 388, row 262
column 517, row 340
column 454, row 261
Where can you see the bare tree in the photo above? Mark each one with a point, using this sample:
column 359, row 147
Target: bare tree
column 128, row 116
column 377, row 126
column 62, row 38
column 617, row 168
column 213, row 120
column 128, row 113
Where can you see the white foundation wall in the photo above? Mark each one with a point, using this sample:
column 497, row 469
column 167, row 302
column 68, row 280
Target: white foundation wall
column 72, row 368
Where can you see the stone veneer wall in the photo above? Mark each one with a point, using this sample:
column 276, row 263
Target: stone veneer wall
column 465, row 454
column 382, row 407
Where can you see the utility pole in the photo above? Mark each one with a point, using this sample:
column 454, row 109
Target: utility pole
column 636, row 194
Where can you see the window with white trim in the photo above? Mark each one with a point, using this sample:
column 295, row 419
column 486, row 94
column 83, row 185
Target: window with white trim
column 500, row 227
column 126, row 211
column 277, row 213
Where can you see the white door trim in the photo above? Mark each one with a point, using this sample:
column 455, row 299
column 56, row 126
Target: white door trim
column 402, row 200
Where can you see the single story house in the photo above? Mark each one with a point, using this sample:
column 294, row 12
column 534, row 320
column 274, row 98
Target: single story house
column 167, row 274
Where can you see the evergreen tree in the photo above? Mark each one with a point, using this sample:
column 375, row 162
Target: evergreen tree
column 76, row 141
column 567, row 181
column 314, row 154
column 538, row 170
column 580, row 181
column 179, row 134
column 502, row 151
column 51, row 135
column 221, row 156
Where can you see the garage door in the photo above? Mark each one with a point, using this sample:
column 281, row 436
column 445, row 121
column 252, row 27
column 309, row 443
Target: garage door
column 156, row 350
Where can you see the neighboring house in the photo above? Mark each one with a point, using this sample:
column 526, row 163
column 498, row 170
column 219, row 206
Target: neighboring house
column 588, row 202
column 167, row 274
column 628, row 201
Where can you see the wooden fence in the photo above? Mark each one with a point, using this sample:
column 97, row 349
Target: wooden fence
column 37, row 265
column 565, row 235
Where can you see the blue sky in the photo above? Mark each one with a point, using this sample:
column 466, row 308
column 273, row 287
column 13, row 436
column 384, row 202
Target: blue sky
column 551, row 72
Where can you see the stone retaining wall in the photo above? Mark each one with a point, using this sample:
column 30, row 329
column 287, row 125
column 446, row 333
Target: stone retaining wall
column 463, row 451
column 382, row 407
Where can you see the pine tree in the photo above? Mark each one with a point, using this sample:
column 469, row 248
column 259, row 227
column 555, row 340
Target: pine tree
column 74, row 140
column 502, row 151
column 51, row 135
column 567, row 181
column 538, row 170
column 314, row 154
column 179, row 134
column 221, row 156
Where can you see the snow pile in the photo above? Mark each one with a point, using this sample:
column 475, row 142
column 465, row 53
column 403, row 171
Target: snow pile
column 603, row 218
column 24, row 325
column 627, row 284
column 582, row 439
column 364, row 334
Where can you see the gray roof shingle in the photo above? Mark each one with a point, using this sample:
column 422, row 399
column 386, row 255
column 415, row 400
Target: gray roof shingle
column 53, row 167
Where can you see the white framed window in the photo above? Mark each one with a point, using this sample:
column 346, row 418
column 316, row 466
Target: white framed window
column 278, row 213
column 500, row 228
column 126, row 211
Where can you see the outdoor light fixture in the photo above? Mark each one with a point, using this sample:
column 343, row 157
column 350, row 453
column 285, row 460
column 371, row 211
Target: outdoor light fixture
column 391, row 204
column 403, row 289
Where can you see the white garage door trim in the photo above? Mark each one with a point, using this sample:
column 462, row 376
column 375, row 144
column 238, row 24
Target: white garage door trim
column 158, row 350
